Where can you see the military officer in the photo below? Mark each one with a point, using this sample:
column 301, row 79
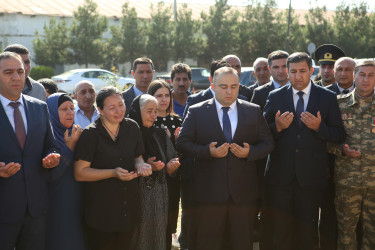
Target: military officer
column 355, row 162
column 326, row 56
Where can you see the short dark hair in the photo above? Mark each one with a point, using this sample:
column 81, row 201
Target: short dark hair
column 299, row 57
column 17, row 48
column 278, row 54
column 363, row 63
column 142, row 60
column 49, row 85
column 157, row 84
column 215, row 65
column 180, row 68
column 7, row 55
column 104, row 93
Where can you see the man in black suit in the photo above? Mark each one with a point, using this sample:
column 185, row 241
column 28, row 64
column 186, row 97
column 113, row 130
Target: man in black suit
column 303, row 117
column 143, row 71
column 235, row 62
column 344, row 75
column 261, row 73
column 26, row 154
column 277, row 67
column 225, row 136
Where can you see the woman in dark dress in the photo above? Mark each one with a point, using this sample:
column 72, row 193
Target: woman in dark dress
column 109, row 160
column 171, row 122
column 64, row 221
column 161, row 155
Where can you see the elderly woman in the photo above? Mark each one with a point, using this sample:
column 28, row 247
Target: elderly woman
column 161, row 155
column 109, row 160
column 64, row 229
column 171, row 122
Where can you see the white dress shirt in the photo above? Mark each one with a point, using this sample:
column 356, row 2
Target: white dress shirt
column 82, row 120
column 9, row 110
column 232, row 113
column 305, row 96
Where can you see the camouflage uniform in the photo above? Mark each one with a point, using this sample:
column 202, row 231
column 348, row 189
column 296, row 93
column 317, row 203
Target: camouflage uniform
column 355, row 177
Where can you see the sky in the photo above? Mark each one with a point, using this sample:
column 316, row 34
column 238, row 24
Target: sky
column 296, row 4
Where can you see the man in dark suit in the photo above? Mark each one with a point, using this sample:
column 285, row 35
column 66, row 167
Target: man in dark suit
column 344, row 75
column 261, row 73
column 277, row 68
column 32, row 87
column 303, row 117
column 143, row 71
column 26, row 154
column 235, row 62
column 224, row 136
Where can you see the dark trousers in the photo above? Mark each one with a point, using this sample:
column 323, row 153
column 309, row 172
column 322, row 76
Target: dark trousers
column 100, row 240
column 295, row 216
column 264, row 219
column 211, row 223
column 27, row 234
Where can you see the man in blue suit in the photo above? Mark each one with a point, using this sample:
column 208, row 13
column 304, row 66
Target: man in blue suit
column 303, row 117
column 26, row 155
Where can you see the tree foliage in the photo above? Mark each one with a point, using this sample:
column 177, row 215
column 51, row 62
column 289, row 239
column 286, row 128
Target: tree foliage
column 158, row 31
column 87, row 32
column 255, row 31
column 52, row 48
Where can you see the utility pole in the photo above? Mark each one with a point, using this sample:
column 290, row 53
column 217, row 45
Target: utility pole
column 287, row 34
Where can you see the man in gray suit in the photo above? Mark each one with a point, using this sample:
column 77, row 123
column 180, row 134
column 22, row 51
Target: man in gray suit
column 143, row 71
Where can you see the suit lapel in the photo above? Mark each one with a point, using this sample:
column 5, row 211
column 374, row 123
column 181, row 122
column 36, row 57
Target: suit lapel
column 6, row 126
column 212, row 115
column 312, row 99
column 290, row 104
column 241, row 114
column 28, row 111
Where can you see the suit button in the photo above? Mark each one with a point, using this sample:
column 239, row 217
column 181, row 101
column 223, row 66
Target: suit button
column 125, row 188
column 125, row 202
column 297, row 150
column 125, row 215
column 298, row 136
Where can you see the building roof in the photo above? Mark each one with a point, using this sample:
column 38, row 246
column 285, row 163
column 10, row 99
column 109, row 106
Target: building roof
column 108, row 8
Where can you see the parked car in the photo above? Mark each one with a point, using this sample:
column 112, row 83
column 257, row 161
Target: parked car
column 99, row 77
column 247, row 78
column 199, row 78
column 315, row 72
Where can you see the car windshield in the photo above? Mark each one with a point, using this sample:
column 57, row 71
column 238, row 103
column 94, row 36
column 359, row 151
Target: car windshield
column 69, row 73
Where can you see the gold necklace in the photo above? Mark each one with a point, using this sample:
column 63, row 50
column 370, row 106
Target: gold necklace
column 113, row 135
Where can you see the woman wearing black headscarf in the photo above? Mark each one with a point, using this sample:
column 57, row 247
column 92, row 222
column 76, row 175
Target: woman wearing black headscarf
column 64, row 219
column 161, row 155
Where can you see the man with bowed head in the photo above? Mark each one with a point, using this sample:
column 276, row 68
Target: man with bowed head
column 225, row 136
column 303, row 117
column 26, row 153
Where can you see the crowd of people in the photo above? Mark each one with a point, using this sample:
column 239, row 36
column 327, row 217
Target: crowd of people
column 288, row 162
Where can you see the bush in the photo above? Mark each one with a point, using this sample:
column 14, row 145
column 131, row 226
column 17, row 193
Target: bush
column 39, row 72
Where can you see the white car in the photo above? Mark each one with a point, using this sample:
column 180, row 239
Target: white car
column 99, row 77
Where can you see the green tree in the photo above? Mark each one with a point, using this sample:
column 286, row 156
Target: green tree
column 318, row 29
column 185, row 36
column 262, row 30
column 87, row 32
column 128, row 40
column 352, row 29
column 158, row 31
column 297, row 41
column 51, row 48
column 219, row 32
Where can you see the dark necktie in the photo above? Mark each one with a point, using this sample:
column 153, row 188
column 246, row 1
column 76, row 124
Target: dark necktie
column 300, row 107
column 18, row 124
column 345, row 91
column 227, row 128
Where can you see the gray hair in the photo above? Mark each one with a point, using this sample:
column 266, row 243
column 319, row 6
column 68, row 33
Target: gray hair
column 145, row 98
column 82, row 82
column 258, row 60
column 225, row 58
